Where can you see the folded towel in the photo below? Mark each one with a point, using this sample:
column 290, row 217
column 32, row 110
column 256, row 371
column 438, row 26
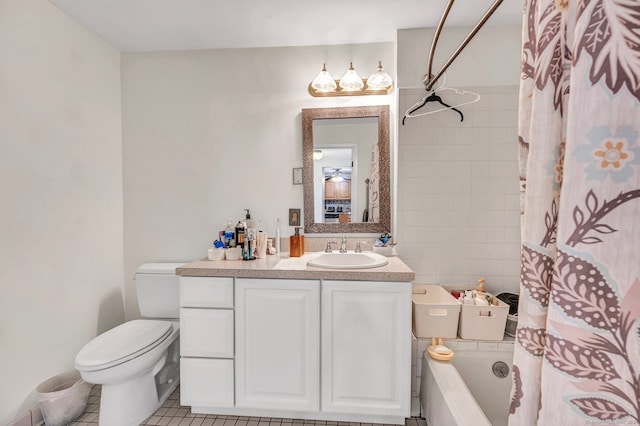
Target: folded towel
column 292, row 263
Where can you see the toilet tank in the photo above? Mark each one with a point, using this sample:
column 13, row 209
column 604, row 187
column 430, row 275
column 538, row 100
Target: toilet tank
column 157, row 287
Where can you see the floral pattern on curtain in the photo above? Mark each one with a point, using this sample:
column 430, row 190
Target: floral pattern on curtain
column 577, row 352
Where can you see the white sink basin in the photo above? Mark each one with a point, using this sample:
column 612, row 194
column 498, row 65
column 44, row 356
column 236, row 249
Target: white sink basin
column 349, row 260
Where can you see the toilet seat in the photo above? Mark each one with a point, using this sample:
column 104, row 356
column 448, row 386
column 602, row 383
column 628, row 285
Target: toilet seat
column 122, row 343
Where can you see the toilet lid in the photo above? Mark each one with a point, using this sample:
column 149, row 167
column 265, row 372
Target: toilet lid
column 122, row 343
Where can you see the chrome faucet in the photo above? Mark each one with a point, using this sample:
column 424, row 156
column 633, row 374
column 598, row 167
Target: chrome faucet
column 328, row 248
column 343, row 245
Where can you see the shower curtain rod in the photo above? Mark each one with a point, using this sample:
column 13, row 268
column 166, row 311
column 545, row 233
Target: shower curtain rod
column 429, row 79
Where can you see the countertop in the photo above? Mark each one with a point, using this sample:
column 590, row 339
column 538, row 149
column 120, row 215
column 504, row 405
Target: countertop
column 395, row 270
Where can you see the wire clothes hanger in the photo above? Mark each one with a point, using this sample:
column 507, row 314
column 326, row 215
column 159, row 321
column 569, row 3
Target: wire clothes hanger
column 429, row 80
column 431, row 98
column 434, row 97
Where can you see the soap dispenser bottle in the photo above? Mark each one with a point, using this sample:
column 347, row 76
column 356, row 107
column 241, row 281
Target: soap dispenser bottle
column 251, row 224
column 296, row 244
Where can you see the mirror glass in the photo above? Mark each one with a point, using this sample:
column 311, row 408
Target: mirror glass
column 346, row 169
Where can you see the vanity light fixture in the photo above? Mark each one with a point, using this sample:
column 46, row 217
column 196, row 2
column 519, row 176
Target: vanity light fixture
column 317, row 154
column 379, row 79
column 378, row 83
column 351, row 81
column 324, row 82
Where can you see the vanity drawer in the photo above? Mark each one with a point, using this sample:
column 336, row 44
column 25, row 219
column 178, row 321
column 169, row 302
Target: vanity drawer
column 206, row 292
column 206, row 382
column 206, row 333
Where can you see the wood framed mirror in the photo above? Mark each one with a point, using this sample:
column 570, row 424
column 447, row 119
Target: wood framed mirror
column 346, row 169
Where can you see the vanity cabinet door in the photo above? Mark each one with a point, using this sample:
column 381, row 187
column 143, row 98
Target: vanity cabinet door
column 206, row 382
column 206, row 333
column 277, row 339
column 366, row 347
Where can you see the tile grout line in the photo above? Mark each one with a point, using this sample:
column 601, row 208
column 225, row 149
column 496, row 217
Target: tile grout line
column 171, row 413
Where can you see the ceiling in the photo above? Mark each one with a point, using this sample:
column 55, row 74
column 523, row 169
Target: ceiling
column 148, row 25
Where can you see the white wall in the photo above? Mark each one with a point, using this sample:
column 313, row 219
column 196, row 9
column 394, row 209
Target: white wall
column 458, row 196
column 61, row 267
column 492, row 57
column 209, row 133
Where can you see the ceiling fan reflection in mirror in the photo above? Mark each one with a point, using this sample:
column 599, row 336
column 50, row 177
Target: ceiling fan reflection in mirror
column 337, row 174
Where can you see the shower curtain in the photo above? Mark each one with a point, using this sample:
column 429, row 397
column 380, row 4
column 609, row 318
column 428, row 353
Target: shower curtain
column 577, row 351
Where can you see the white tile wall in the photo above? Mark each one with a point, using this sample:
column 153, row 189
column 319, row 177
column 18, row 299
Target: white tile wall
column 458, row 200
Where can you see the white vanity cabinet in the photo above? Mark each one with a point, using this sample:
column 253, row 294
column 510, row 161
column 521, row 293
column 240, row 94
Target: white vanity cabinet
column 366, row 346
column 206, row 341
column 302, row 348
column 277, row 337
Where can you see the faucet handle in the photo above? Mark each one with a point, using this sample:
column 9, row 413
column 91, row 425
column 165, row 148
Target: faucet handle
column 328, row 248
column 358, row 248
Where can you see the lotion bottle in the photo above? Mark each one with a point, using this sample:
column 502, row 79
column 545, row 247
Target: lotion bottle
column 261, row 241
column 296, row 244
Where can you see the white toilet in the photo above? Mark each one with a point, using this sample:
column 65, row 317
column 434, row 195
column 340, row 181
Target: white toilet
column 138, row 362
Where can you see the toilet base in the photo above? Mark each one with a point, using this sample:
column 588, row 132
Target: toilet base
column 130, row 402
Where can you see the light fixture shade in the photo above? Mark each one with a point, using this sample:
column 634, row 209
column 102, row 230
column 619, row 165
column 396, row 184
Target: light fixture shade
column 379, row 79
column 351, row 81
column 317, row 154
column 323, row 81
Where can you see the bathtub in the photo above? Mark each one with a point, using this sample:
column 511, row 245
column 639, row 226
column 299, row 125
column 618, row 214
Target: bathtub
column 465, row 391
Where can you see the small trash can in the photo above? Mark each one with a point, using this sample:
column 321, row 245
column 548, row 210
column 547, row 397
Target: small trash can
column 512, row 319
column 63, row 398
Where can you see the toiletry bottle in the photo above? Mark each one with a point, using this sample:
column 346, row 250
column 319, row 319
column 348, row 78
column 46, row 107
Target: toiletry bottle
column 480, row 291
column 249, row 244
column 250, row 222
column 261, row 242
column 240, row 228
column 296, row 244
column 277, row 236
column 270, row 248
column 245, row 245
column 230, row 234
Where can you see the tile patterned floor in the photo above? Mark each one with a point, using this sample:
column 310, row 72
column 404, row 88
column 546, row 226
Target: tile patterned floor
column 173, row 414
